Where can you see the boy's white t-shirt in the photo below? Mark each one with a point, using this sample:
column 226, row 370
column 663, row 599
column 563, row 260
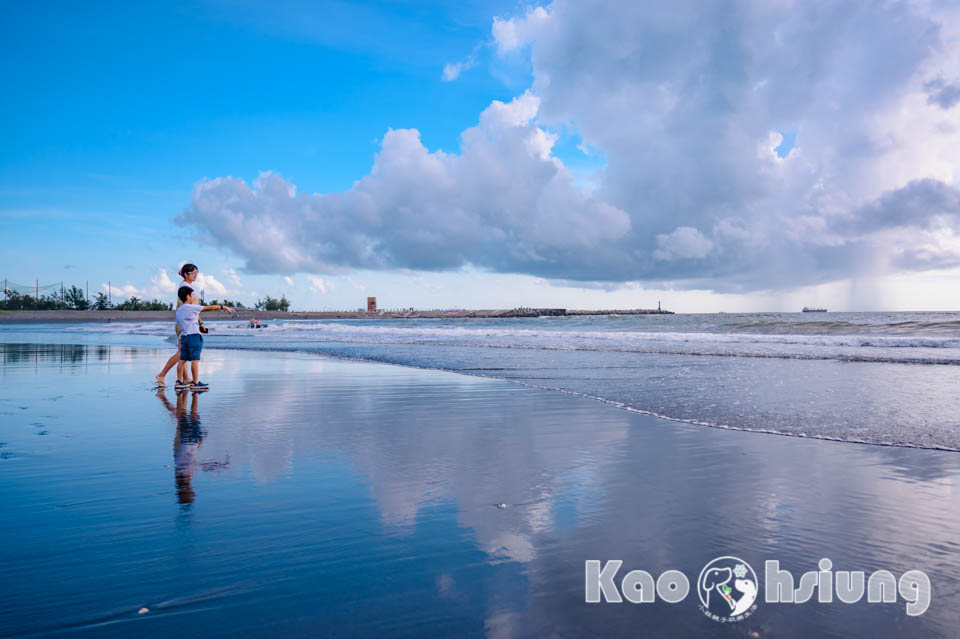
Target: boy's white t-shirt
column 187, row 316
column 179, row 301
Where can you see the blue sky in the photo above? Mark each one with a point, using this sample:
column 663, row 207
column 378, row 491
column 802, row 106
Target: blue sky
column 114, row 113
column 118, row 110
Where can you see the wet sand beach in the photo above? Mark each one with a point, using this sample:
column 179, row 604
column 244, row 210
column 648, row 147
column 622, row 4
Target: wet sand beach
column 310, row 496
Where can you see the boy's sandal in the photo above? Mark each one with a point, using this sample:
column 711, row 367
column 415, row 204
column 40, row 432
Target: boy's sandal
column 200, row 385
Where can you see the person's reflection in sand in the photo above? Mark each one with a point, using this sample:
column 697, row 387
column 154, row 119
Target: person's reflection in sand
column 186, row 444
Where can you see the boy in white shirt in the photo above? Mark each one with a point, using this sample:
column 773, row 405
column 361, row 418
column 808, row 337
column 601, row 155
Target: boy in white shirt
column 191, row 341
column 189, row 272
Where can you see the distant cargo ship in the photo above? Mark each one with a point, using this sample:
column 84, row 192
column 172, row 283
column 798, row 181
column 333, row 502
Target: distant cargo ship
column 814, row 310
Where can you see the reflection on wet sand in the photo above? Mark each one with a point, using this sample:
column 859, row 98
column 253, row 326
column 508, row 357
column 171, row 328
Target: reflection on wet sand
column 476, row 501
column 13, row 354
column 590, row 481
column 67, row 355
column 186, row 443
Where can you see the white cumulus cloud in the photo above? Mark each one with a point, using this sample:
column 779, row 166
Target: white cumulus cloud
column 513, row 33
column 233, row 278
column 451, row 71
column 121, row 293
column 162, row 282
column 685, row 101
column 209, row 285
column 503, row 203
column 317, row 284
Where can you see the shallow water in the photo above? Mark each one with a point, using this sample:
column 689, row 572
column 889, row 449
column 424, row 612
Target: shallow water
column 880, row 378
column 311, row 496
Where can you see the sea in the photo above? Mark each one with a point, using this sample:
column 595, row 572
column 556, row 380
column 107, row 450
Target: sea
column 890, row 378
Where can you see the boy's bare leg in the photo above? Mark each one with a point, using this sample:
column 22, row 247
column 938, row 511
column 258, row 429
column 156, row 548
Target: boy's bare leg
column 182, row 371
column 195, row 370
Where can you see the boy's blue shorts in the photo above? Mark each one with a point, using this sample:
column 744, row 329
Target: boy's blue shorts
column 190, row 347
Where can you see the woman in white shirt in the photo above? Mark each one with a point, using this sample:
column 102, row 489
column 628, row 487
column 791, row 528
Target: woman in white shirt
column 189, row 274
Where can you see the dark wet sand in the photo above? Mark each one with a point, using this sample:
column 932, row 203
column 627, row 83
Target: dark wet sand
column 304, row 496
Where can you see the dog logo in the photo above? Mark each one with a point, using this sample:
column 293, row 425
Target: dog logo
column 728, row 589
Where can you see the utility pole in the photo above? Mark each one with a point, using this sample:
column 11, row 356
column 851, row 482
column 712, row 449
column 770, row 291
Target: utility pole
column 38, row 290
column 62, row 298
column 88, row 292
column 109, row 294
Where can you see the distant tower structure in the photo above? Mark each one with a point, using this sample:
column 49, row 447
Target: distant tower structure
column 371, row 305
column 658, row 305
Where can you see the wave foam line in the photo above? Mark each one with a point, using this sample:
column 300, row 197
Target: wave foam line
column 617, row 404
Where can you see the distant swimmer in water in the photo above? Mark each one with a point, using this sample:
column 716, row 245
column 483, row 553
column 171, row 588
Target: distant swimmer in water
column 253, row 323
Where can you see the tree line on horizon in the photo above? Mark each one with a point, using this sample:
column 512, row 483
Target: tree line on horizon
column 74, row 299
column 265, row 304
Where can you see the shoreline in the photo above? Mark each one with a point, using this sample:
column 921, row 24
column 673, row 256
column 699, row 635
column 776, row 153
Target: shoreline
column 536, row 387
column 70, row 317
column 800, row 387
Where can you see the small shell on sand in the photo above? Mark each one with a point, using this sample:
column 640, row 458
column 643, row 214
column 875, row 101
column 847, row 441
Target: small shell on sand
column 501, row 506
column 143, row 611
